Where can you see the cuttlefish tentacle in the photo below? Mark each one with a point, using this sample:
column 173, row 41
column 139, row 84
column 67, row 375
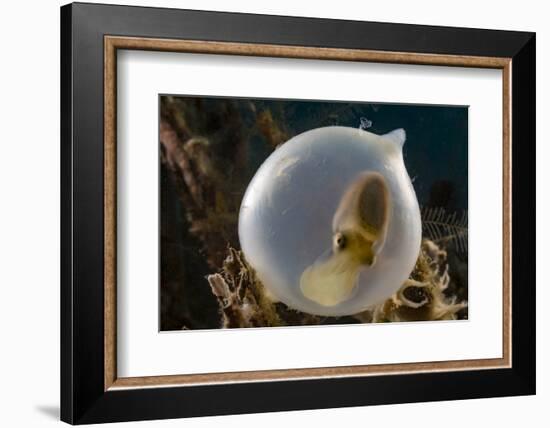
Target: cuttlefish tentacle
column 359, row 230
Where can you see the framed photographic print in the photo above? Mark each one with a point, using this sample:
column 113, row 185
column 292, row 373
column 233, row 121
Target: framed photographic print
column 266, row 213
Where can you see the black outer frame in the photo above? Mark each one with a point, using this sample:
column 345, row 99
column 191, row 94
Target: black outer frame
column 83, row 399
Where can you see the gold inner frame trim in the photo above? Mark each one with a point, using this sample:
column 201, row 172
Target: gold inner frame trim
column 113, row 43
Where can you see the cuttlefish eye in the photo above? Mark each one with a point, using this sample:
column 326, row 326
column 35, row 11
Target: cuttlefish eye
column 339, row 241
column 359, row 232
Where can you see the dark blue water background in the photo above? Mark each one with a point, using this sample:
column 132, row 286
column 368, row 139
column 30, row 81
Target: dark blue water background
column 436, row 149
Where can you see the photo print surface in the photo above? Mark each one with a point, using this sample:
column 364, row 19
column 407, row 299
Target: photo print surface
column 279, row 213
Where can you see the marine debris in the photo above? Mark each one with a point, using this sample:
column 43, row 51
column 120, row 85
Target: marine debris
column 245, row 302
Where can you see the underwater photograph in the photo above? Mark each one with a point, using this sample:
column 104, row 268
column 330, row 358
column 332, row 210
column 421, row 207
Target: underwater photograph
column 280, row 212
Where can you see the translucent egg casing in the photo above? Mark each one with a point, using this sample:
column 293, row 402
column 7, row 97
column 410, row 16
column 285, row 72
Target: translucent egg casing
column 287, row 214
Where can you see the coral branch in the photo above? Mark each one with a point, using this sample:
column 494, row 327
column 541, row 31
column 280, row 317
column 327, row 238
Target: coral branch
column 242, row 298
column 422, row 297
column 244, row 301
column 200, row 188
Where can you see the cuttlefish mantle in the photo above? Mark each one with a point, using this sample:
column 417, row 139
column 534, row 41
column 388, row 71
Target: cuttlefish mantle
column 359, row 230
